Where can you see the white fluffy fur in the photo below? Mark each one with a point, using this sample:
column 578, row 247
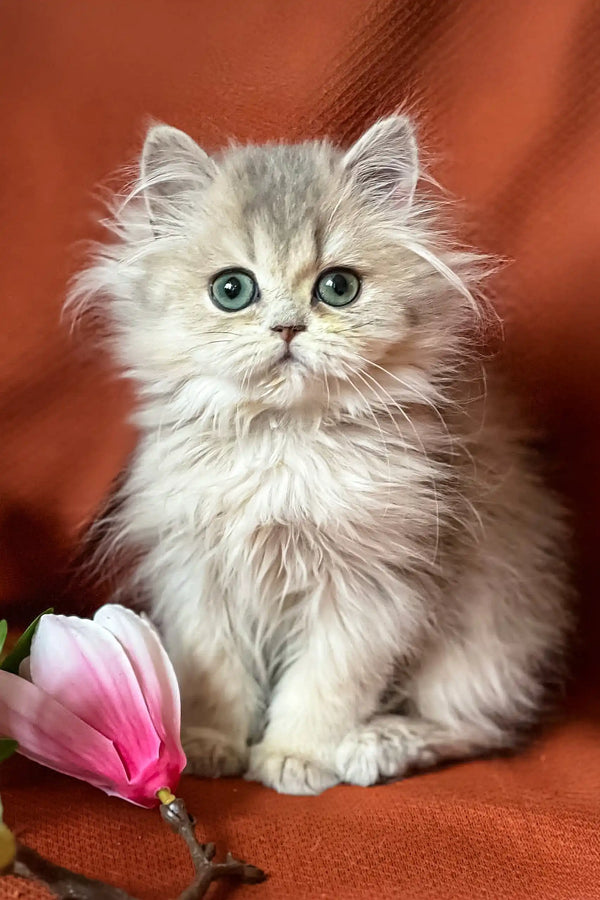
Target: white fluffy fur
column 354, row 564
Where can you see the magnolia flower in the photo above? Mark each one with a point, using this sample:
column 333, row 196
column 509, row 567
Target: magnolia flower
column 98, row 700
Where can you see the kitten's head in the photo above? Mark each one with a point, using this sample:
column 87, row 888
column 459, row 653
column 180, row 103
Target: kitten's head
column 279, row 276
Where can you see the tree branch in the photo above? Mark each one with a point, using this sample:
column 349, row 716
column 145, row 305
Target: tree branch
column 177, row 818
column 62, row 882
column 68, row 885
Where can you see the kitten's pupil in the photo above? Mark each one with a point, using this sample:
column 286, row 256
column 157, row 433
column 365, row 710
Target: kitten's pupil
column 338, row 283
column 232, row 287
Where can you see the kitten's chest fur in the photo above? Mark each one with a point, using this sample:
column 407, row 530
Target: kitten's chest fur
column 264, row 512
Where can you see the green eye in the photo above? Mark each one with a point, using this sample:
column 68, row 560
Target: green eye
column 233, row 289
column 338, row 287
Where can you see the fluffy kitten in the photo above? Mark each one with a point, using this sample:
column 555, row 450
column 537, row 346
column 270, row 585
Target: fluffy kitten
column 338, row 526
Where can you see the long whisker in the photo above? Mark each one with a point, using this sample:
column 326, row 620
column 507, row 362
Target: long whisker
column 210, row 343
column 327, row 388
column 412, row 390
column 383, row 440
column 384, row 405
column 435, row 409
column 384, row 445
column 251, row 369
column 405, row 415
column 429, row 403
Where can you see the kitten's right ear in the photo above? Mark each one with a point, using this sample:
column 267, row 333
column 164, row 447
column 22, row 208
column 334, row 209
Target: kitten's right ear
column 173, row 169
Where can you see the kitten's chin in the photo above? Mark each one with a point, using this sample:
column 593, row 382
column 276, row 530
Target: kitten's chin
column 287, row 382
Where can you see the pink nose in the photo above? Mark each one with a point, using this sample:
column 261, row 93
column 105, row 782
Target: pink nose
column 288, row 332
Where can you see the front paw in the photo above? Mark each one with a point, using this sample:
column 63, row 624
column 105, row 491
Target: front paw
column 211, row 753
column 386, row 747
column 289, row 772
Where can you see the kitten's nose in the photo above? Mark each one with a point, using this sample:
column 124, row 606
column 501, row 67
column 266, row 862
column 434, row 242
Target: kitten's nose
column 288, row 332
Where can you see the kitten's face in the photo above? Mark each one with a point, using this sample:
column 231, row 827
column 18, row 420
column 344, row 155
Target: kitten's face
column 287, row 279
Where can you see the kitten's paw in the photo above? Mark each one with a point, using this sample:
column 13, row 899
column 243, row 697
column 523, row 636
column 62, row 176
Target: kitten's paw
column 288, row 773
column 385, row 747
column 211, row 753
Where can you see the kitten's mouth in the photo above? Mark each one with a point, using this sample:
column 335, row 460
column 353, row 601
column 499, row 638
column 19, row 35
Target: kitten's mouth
column 287, row 357
column 287, row 363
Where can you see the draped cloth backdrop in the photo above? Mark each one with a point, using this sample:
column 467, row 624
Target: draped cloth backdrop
column 507, row 96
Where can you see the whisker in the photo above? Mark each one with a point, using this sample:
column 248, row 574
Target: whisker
column 383, row 440
column 405, row 415
column 429, row 403
column 411, row 389
column 378, row 426
column 327, row 388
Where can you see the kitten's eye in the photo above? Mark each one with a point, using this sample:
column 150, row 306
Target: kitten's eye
column 233, row 290
column 338, row 287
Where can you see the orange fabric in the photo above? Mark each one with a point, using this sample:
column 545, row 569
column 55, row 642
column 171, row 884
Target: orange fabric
column 509, row 99
column 518, row 829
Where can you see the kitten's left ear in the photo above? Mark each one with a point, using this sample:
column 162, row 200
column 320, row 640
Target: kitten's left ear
column 173, row 169
column 385, row 161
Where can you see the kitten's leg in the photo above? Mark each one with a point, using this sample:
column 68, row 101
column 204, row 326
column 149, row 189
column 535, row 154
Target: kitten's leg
column 319, row 698
column 340, row 666
column 390, row 746
column 220, row 702
column 470, row 694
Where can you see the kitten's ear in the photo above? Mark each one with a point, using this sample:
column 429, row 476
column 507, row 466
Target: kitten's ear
column 173, row 169
column 385, row 161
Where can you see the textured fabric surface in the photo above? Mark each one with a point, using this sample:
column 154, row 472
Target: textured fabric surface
column 523, row 828
column 508, row 97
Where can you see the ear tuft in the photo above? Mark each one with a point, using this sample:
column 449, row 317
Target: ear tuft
column 385, row 161
column 172, row 170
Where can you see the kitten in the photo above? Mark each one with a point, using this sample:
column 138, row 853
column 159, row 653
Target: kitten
column 340, row 529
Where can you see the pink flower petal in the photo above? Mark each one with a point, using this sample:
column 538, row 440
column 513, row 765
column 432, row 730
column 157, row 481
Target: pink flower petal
column 153, row 670
column 86, row 669
column 25, row 668
column 51, row 735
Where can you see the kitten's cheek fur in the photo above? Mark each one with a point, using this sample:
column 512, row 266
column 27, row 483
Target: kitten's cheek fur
column 288, row 773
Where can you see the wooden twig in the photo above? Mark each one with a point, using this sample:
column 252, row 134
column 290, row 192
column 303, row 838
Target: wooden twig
column 177, row 818
column 62, row 882
column 68, row 885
